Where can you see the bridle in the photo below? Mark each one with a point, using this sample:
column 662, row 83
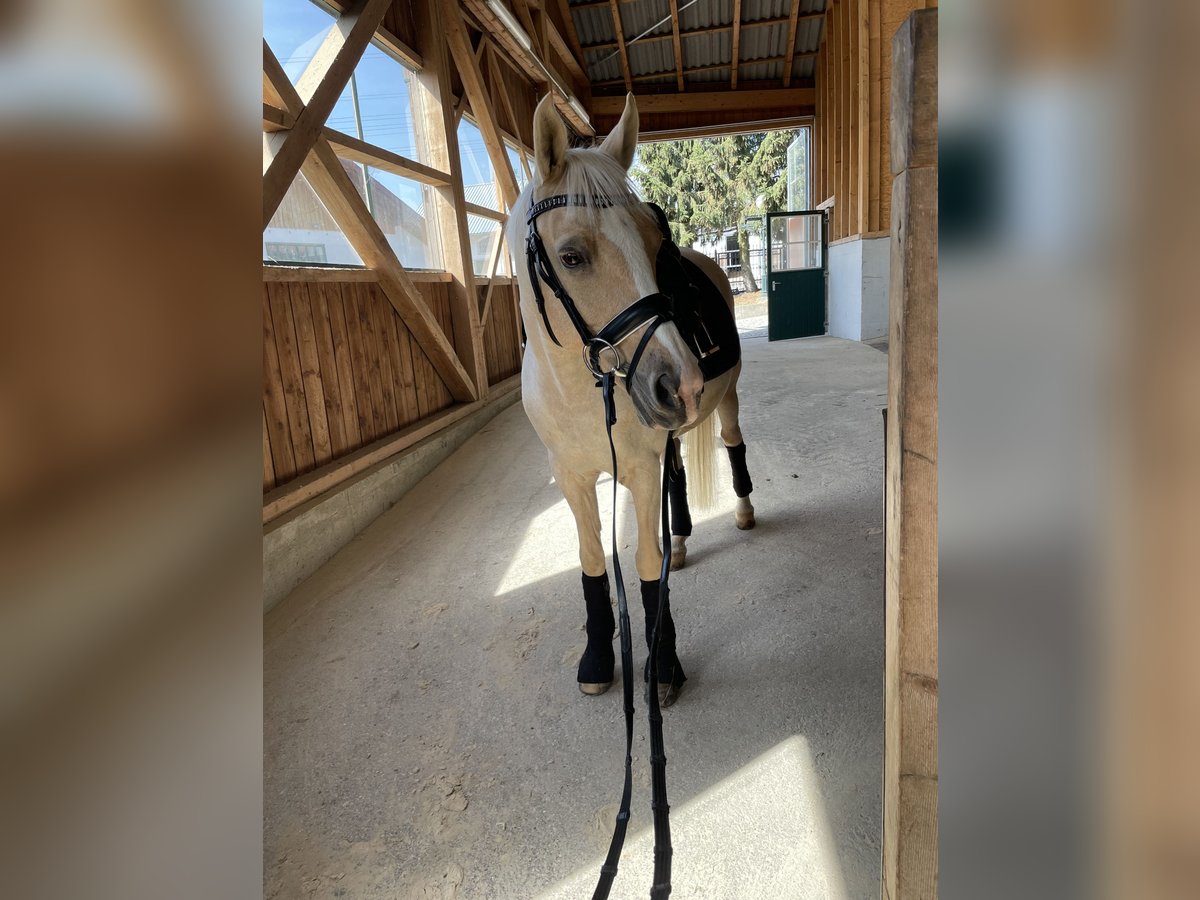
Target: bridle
column 645, row 314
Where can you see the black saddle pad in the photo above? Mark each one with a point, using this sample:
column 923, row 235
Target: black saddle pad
column 701, row 313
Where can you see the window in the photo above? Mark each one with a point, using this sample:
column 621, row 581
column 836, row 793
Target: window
column 378, row 107
column 479, row 179
column 400, row 208
column 303, row 233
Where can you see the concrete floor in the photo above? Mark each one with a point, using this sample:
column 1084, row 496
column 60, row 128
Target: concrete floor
column 424, row 735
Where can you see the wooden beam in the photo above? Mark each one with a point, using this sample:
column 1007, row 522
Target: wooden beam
column 487, row 212
column 495, row 261
column 862, row 161
column 854, row 98
column 505, row 100
column 307, row 487
column 440, row 128
column 530, row 65
column 708, row 101
column 564, row 50
column 678, row 47
column 318, row 88
column 275, row 119
column 398, row 48
column 910, row 784
column 721, row 130
column 481, row 106
column 735, row 56
column 704, row 29
column 568, row 25
column 324, row 172
column 277, row 272
column 360, row 151
column 793, row 21
column 712, row 67
column 620, row 32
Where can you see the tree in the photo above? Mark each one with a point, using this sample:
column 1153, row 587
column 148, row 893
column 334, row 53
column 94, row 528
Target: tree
column 711, row 184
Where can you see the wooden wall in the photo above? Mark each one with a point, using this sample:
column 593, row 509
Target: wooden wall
column 850, row 134
column 341, row 371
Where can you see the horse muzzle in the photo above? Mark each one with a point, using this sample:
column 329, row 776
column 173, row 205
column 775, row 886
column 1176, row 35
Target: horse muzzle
column 659, row 397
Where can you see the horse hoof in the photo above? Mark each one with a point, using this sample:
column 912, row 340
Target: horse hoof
column 678, row 553
column 668, row 694
column 594, row 690
column 743, row 514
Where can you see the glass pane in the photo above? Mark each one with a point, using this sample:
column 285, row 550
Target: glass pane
column 399, row 206
column 479, row 181
column 795, row 243
column 483, row 233
column 303, row 233
column 294, row 29
column 377, row 104
column 514, row 159
column 382, row 87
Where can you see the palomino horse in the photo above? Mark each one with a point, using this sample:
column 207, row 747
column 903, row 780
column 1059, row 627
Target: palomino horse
column 601, row 244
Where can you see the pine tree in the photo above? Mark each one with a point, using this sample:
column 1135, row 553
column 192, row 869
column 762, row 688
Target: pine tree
column 711, row 184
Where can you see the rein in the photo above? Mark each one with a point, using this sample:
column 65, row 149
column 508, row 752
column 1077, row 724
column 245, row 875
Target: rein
column 646, row 313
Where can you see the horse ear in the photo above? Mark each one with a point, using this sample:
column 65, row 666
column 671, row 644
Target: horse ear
column 622, row 140
column 549, row 140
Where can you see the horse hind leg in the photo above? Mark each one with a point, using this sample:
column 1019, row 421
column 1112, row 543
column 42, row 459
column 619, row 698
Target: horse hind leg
column 681, row 516
column 735, row 446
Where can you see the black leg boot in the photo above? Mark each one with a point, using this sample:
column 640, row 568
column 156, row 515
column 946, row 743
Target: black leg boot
column 670, row 672
column 598, row 661
column 742, row 485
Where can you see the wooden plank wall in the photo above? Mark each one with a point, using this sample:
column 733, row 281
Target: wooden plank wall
column 340, row 371
column 502, row 332
column 850, row 137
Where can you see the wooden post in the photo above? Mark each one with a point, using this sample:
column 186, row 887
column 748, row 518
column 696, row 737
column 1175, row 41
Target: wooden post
column 450, row 19
column 910, row 862
column 438, row 126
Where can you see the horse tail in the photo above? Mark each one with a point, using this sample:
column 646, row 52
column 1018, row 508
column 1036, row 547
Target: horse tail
column 701, row 464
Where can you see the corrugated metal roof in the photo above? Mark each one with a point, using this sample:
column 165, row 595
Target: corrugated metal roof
column 761, row 71
column 656, row 56
column 705, row 12
column 709, row 77
column 706, row 49
column 767, row 40
column 640, row 15
column 753, row 10
column 603, row 64
column 594, row 25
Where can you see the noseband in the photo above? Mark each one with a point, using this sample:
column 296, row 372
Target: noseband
column 601, row 350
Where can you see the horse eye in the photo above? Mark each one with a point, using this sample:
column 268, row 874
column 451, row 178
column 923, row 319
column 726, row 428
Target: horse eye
column 571, row 259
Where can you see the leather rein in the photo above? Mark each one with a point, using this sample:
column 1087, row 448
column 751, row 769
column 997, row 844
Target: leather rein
column 602, row 356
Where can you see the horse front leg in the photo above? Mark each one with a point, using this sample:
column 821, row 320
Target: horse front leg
column 596, row 665
column 647, row 497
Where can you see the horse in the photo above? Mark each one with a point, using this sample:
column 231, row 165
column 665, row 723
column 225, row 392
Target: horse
column 601, row 244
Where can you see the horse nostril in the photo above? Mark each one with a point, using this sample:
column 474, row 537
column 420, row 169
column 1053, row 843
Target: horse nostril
column 665, row 389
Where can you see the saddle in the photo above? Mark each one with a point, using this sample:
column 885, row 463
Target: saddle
column 701, row 314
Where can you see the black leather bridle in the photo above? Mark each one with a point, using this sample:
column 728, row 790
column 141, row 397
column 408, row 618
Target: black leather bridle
column 647, row 313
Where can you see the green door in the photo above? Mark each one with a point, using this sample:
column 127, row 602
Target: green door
column 795, row 275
